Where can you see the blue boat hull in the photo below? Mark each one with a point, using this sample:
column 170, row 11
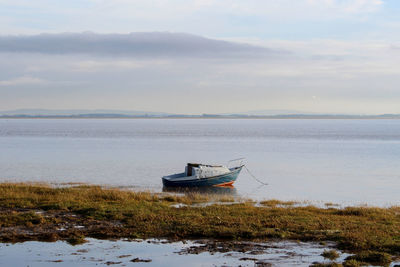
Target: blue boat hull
column 220, row 180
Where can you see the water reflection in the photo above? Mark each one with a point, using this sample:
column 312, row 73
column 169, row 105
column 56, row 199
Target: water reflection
column 212, row 190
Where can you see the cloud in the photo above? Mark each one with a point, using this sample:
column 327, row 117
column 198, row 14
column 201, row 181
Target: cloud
column 395, row 47
column 289, row 9
column 348, row 6
column 366, row 78
column 113, row 65
column 168, row 8
column 23, row 80
column 287, row 19
column 149, row 44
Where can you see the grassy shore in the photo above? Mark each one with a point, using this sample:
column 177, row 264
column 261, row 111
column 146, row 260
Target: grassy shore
column 40, row 212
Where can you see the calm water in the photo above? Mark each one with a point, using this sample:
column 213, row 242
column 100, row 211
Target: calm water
column 342, row 161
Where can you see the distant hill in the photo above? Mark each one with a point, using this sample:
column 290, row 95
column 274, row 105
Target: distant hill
column 79, row 112
column 269, row 112
column 106, row 113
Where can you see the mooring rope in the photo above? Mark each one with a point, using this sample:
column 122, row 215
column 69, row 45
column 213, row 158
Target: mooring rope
column 252, row 175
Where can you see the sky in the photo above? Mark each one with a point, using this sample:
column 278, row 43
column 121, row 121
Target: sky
column 201, row 56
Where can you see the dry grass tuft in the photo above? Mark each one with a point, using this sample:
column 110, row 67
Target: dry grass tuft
column 275, row 203
column 330, row 254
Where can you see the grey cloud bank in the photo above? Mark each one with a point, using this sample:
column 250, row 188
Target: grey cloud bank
column 146, row 44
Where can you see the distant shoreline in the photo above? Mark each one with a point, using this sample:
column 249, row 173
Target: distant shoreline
column 116, row 116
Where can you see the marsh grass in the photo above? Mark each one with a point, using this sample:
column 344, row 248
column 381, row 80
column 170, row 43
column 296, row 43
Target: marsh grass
column 371, row 257
column 330, row 204
column 145, row 215
column 276, row 203
column 76, row 240
column 330, row 254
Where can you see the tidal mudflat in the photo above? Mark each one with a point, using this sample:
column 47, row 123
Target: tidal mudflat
column 38, row 212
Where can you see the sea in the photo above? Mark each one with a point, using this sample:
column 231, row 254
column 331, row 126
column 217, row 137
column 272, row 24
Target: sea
column 345, row 162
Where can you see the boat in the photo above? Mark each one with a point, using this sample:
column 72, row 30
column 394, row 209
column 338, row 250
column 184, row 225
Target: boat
column 200, row 175
column 212, row 190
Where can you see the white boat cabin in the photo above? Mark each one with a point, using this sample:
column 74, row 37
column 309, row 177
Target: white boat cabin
column 205, row 171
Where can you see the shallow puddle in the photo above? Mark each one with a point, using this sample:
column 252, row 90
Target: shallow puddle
column 154, row 252
column 161, row 253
